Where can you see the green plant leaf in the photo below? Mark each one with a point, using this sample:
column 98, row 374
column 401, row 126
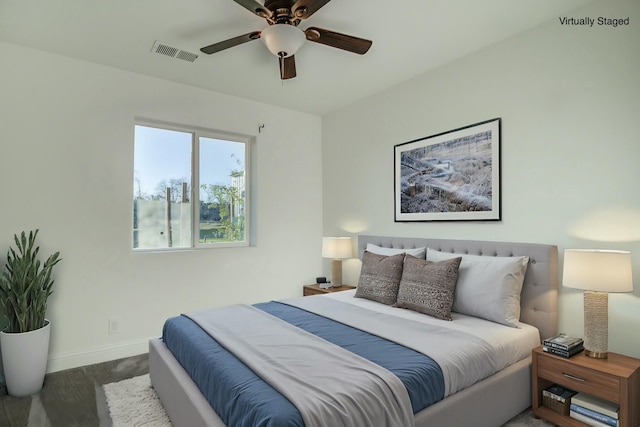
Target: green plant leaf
column 26, row 284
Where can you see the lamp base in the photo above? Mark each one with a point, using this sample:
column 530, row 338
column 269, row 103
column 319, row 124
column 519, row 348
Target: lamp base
column 596, row 354
column 596, row 324
column 336, row 273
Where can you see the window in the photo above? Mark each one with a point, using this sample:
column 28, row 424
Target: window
column 190, row 189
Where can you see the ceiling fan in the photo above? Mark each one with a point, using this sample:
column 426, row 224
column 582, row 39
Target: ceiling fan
column 283, row 37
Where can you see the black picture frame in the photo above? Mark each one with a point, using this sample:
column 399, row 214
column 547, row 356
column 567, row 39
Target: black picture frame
column 450, row 176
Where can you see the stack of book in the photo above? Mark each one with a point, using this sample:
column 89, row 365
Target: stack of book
column 563, row 345
column 557, row 398
column 594, row 411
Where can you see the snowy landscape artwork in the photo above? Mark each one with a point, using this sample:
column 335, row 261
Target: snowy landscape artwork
column 450, row 176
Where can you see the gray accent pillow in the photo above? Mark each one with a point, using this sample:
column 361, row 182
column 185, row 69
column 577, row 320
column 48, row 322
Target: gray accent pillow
column 380, row 277
column 428, row 287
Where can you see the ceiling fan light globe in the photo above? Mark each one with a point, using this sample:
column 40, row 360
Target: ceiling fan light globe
column 283, row 39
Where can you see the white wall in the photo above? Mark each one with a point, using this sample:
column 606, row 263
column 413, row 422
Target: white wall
column 66, row 167
column 569, row 102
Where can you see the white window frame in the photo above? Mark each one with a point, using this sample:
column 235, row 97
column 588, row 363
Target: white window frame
column 196, row 134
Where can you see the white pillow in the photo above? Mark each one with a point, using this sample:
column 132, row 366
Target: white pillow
column 416, row 252
column 488, row 287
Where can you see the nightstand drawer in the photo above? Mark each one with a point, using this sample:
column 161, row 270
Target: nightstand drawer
column 579, row 378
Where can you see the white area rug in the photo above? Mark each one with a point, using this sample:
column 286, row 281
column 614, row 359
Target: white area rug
column 134, row 403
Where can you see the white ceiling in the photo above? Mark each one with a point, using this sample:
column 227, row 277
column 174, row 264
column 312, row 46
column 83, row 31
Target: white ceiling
column 409, row 37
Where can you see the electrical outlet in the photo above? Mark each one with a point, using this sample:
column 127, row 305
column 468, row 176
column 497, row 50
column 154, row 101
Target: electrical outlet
column 114, row 325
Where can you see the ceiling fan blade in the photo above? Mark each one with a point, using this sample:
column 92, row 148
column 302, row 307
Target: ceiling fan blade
column 287, row 67
column 338, row 40
column 235, row 41
column 254, row 7
column 303, row 9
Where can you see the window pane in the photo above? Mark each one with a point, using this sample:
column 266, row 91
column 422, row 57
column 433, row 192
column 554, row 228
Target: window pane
column 222, row 191
column 161, row 188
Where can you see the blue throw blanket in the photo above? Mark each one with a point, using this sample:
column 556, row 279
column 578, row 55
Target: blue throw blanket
column 242, row 398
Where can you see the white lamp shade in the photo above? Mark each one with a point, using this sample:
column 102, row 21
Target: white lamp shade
column 597, row 270
column 336, row 247
column 283, row 39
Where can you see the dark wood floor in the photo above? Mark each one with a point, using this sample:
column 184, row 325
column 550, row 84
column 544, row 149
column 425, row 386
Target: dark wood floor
column 71, row 398
column 75, row 398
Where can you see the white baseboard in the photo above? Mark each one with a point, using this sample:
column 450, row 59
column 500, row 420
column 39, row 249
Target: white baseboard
column 96, row 355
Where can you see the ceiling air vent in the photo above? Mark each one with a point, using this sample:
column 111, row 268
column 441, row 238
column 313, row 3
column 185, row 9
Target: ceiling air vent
column 174, row 52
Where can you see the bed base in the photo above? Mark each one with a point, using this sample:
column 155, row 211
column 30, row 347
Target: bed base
column 180, row 396
column 489, row 403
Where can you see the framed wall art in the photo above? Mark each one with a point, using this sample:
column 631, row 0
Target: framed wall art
column 451, row 176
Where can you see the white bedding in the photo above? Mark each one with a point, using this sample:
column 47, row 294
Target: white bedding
column 508, row 345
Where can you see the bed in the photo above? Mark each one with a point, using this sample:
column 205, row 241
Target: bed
column 489, row 402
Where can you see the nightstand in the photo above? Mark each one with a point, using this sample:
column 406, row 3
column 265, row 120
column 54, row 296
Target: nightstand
column 316, row 289
column 616, row 379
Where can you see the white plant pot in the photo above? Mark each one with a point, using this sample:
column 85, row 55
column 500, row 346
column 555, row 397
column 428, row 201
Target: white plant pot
column 24, row 358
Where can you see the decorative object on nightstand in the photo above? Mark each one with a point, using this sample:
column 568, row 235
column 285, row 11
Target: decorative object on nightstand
column 557, row 398
column 562, row 345
column 597, row 272
column 336, row 248
column 593, row 410
column 323, row 283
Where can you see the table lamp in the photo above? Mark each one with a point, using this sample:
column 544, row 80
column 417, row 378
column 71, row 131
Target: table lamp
column 597, row 272
column 336, row 248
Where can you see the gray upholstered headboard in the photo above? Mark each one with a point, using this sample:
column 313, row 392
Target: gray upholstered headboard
column 539, row 298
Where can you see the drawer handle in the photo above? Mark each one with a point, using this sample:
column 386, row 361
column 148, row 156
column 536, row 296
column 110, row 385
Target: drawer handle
column 571, row 377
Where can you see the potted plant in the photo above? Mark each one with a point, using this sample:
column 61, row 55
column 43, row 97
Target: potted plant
column 25, row 286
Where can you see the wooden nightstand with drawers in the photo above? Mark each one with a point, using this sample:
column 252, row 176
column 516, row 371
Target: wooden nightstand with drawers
column 616, row 379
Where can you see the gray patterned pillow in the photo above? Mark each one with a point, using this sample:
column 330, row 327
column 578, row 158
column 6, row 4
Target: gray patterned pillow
column 428, row 287
column 380, row 277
